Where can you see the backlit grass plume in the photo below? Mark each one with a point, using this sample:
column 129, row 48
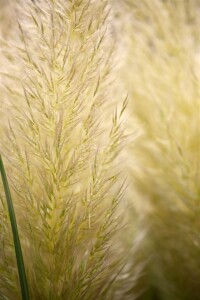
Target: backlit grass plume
column 66, row 66
column 162, row 72
column 61, row 151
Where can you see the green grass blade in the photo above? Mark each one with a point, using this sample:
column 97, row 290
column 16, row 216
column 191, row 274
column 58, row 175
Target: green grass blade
column 18, row 250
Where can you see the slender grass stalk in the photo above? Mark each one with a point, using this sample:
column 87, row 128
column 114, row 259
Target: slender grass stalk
column 18, row 250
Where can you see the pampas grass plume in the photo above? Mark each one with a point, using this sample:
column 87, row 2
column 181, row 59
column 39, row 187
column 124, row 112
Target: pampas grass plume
column 61, row 151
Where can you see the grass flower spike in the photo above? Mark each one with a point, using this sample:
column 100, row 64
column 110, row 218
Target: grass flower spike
column 60, row 151
column 105, row 186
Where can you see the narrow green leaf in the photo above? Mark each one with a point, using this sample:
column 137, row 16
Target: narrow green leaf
column 18, row 250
